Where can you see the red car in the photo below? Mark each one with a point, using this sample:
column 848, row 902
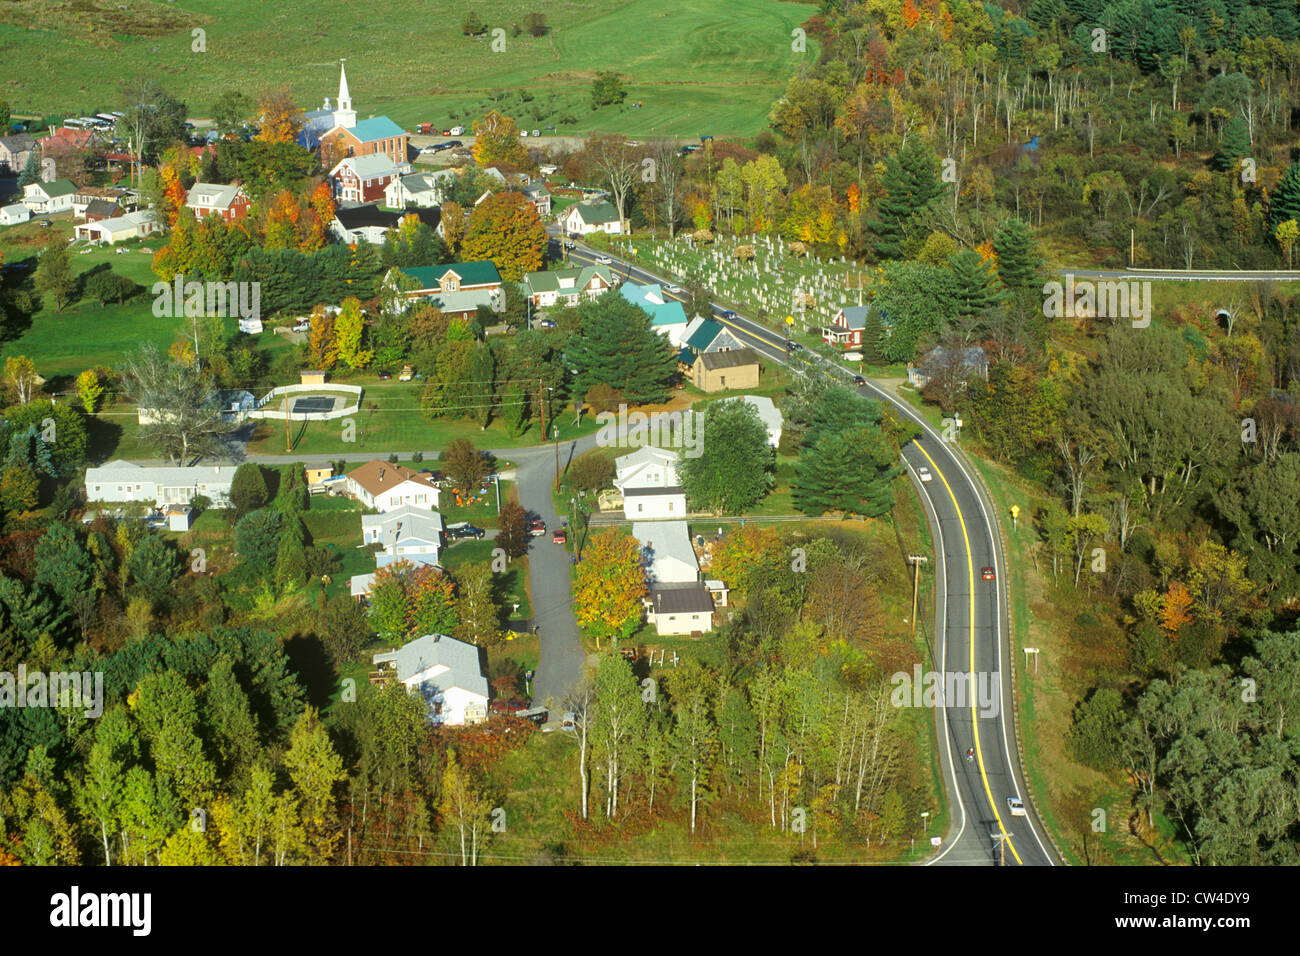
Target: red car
column 560, row 537
column 987, row 574
column 510, row 705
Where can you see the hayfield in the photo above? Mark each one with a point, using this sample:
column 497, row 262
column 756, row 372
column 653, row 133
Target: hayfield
column 697, row 67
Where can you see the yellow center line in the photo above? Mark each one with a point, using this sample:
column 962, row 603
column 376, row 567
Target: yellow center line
column 974, row 719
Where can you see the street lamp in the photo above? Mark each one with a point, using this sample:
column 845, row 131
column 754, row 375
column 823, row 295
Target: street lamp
column 925, row 821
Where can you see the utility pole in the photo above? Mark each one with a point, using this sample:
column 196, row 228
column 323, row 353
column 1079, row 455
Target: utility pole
column 288, row 446
column 916, row 560
column 556, row 426
column 1001, row 840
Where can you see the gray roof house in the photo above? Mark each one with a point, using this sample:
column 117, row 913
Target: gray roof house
column 449, row 674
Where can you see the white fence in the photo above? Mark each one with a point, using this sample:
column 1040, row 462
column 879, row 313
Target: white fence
column 289, row 390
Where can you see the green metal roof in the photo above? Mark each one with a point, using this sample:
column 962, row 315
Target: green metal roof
column 704, row 335
column 470, row 273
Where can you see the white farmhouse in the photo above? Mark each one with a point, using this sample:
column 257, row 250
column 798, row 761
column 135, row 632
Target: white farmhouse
column 407, row 533
column 449, row 674
column 13, row 215
column 583, row 219
column 384, row 486
column 121, row 481
column 648, row 481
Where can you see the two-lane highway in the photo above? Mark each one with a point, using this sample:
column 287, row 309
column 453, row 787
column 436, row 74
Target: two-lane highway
column 972, row 649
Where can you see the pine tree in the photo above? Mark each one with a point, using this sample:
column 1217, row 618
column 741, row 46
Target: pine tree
column 291, row 556
column 1233, row 146
column 31, row 170
column 248, row 490
column 1285, row 203
column 911, row 181
column 973, row 280
column 619, row 348
column 1018, row 261
column 873, row 330
column 849, row 471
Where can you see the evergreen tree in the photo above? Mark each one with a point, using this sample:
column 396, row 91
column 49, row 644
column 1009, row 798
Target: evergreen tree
column 292, row 497
column 619, row 348
column 62, row 564
column 291, row 555
column 1233, row 146
column 1018, row 261
column 152, row 568
column 31, row 170
column 911, row 181
column 873, row 330
column 1285, row 203
column 972, row 280
column 248, row 490
column 850, row 471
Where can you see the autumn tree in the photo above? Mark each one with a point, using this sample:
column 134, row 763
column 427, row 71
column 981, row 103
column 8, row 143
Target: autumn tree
column 610, row 585
column 496, row 140
column 465, row 465
column 280, row 116
column 514, row 536
column 506, row 229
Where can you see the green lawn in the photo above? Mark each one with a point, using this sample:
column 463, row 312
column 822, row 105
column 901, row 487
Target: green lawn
column 712, row 68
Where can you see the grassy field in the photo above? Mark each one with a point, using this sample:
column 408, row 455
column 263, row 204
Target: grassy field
column 710, row 68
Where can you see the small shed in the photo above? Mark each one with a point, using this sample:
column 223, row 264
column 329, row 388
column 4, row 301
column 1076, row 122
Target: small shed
column 180, row 518
column 313, row 377
column 318, row 473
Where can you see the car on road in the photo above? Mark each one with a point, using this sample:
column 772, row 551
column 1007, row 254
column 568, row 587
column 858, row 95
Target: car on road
column 604, row 260
column 547, row 324
column 452, row 144
column 674, row 289
column 792, row 346
column 859, row 380
column 560, row 536
column 1016, row 806
column 987, row 574
column 729, row 314
column 536, row 527
column 924, row 474
column 458, row 532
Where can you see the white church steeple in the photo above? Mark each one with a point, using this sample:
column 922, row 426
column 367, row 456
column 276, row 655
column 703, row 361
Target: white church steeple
column 344, row 114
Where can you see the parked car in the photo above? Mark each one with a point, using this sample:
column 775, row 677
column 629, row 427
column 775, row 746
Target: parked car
column 569, row 721
column 463, row 530
column 560, row 536
column 302, row 325
column 537, row 132
column 509, row 705
column 523, row 132
column 385, row 376
column 458, row 131
column 853, row 356
column 446, row 132
column 453, row 144
column 407, row 374
column 547, row 324
column 537, row 527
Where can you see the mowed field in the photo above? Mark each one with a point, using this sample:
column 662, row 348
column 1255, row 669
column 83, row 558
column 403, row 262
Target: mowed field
column 696, row 66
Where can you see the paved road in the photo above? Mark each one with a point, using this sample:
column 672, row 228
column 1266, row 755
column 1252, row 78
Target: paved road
column 970, row 620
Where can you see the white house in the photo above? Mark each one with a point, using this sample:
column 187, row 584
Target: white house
column 55, row 196
column 449, row 674
column 13, row 215
column 386, row 487
column 583, row 219
column 567, row 286
column 406, row 533
column 648, row 481
column 419, row 189
column 120, row 481
column 666, row 546
column 680, row 608
column 133, row 225
column 770, row 414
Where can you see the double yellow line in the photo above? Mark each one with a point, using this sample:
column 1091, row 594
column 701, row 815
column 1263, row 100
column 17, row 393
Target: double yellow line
column 974, row 717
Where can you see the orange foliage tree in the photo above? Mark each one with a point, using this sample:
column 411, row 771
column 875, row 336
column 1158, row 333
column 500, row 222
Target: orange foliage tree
column 1174, row 608
column 611, row 583
column 506, row 229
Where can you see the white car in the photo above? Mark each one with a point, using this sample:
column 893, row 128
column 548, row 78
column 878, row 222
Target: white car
column 924, row 473
column 1016, row 806
column 674, row 289
column 853, row 356
column 604, row 260
column 523, row 132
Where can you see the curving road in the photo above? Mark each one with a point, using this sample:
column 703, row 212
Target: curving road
column 970, row 621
